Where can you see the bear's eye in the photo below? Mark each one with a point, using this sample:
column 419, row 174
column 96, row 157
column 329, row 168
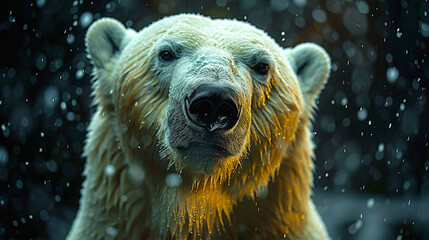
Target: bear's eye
column 166, row 56
column 261, row 68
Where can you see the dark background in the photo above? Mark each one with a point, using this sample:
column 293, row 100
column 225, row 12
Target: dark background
column 371, row 131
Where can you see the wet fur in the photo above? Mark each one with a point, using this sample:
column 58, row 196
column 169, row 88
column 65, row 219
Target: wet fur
column 264, row 193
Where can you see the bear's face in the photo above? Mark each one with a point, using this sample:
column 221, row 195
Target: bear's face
column 203, row 95
column 211, row 78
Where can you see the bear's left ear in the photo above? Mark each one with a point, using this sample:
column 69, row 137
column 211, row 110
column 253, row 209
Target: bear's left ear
column 312, row 66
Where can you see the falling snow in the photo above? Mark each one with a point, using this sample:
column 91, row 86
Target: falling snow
column 173, row 180
column 371, row 129
column 392, row 74
column 109, row 170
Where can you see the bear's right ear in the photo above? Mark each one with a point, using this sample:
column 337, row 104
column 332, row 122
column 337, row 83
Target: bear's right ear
column 104, row 39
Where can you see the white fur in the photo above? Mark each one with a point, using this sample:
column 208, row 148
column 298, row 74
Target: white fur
column 264, row 193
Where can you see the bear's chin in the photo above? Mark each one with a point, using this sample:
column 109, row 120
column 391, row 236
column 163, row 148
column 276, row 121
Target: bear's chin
column 205, row 159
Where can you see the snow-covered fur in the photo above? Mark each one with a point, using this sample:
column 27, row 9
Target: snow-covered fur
column 140, row 184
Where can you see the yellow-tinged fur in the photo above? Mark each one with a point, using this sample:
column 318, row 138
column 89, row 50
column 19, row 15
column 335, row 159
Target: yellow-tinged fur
column 262, row 194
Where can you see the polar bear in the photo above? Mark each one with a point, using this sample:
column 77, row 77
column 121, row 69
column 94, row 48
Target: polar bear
column 202, row 131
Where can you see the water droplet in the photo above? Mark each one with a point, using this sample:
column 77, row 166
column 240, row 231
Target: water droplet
column 173, row 180
column 109, row 170
column 362, row 114
column 111, row 231
column 370, row 203
column 4, row 155
column 353, row 228
column 79, row 74
column 392, row 74
column 85, row 19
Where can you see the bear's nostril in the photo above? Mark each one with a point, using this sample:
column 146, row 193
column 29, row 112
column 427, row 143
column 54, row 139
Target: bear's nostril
column 201, row 107
column 212, row 107
column 226, row 110
column 200, row 112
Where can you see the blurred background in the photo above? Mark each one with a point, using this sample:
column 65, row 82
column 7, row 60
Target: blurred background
column 371, row 131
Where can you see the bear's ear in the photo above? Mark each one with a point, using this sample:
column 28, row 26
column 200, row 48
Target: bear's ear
column 312, row 66
column 104, row 39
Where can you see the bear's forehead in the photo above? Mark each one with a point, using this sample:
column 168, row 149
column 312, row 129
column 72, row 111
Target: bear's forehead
column 195, row 30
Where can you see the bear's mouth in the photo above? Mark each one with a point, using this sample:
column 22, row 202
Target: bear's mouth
column 203, row 147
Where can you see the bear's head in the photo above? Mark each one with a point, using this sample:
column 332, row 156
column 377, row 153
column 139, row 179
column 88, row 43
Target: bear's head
column 211, row 100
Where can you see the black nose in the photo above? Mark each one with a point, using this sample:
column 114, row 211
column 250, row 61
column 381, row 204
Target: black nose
column 212, row 107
